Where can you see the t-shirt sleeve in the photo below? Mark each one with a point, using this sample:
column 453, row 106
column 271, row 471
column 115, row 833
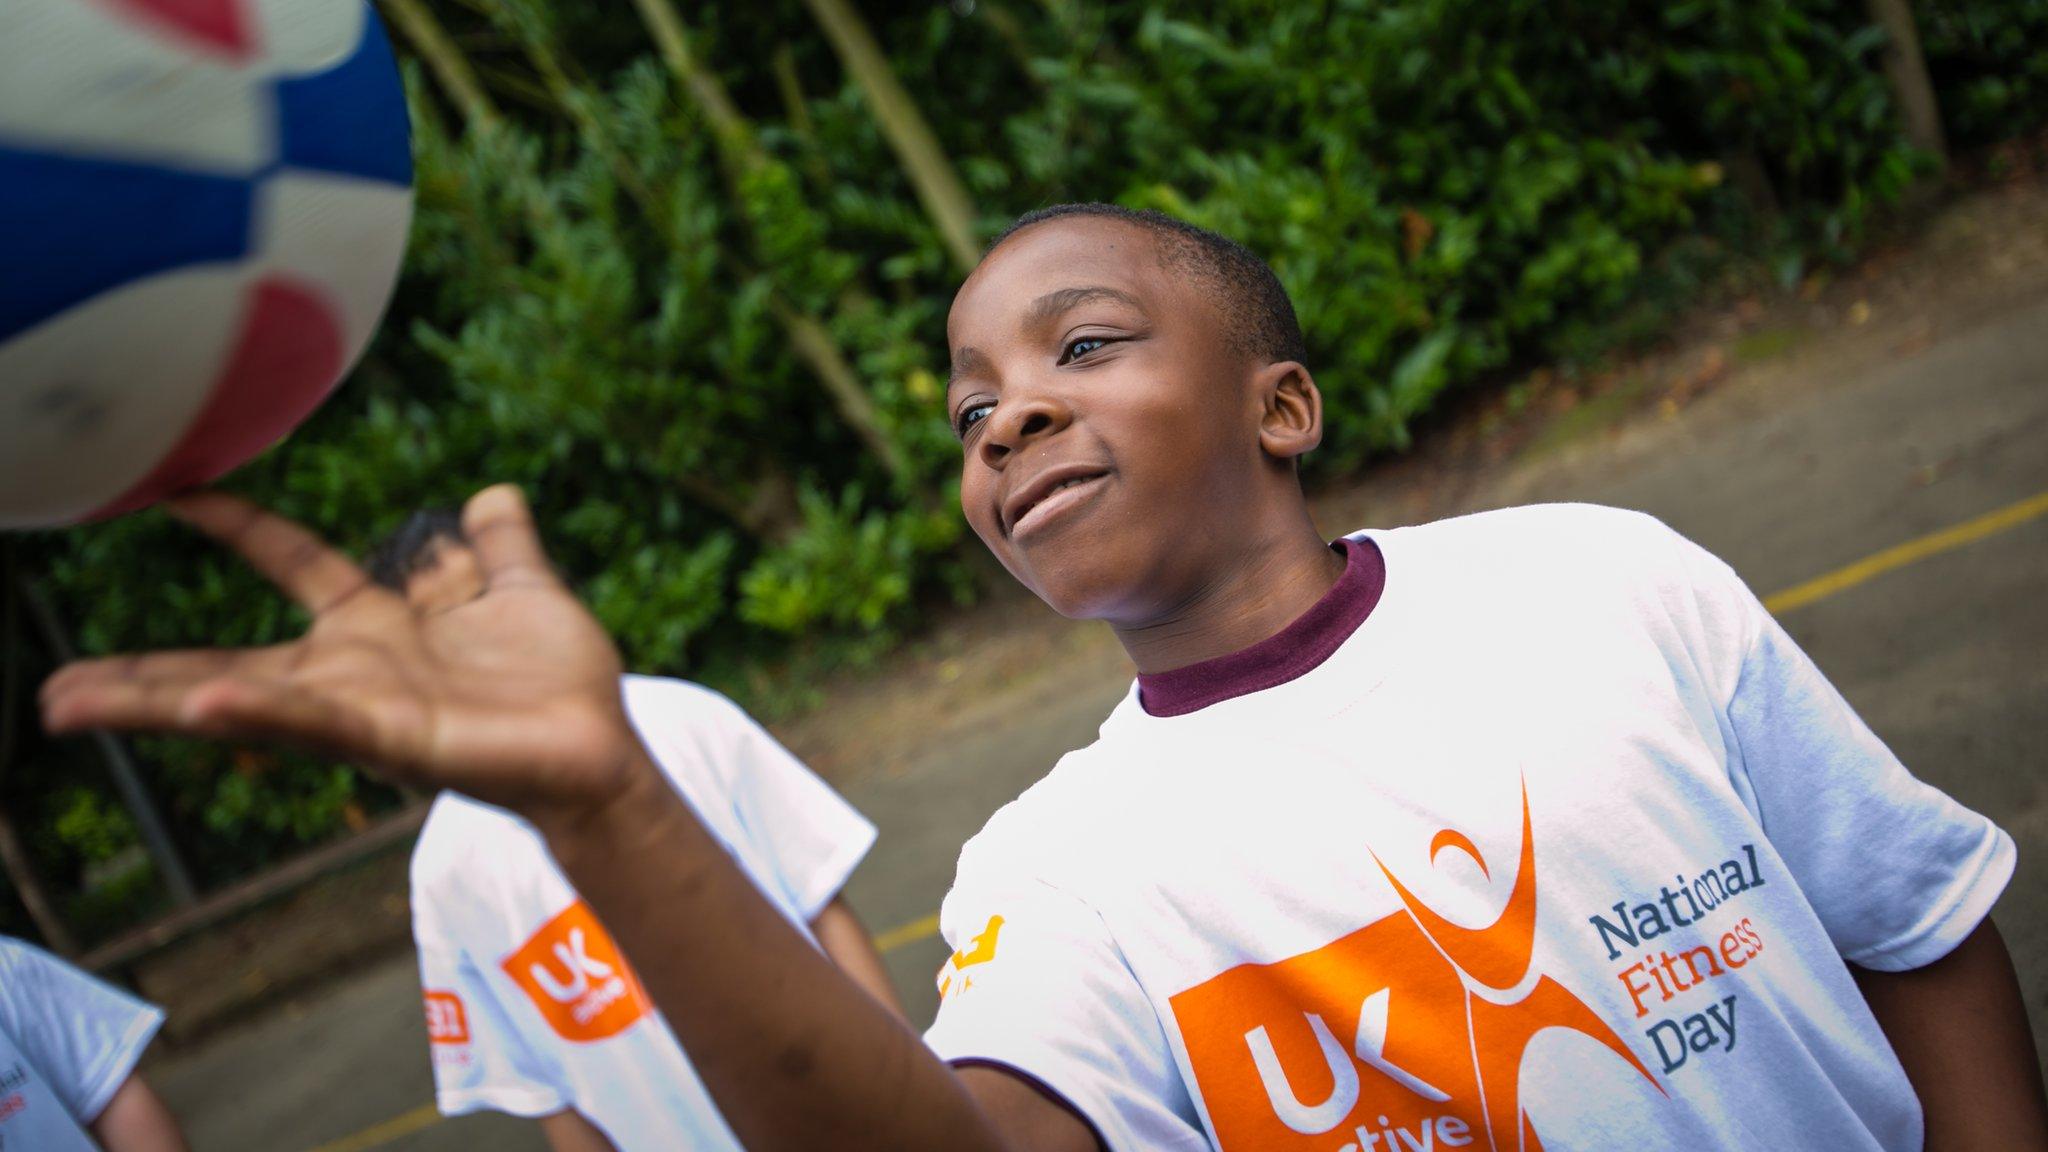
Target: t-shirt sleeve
column 808, row 833
column 481, row 1060
column 1897, row 870
column 83, row 1035
column 1037, row 987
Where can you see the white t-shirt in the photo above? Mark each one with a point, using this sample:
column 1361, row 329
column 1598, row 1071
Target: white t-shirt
column 67, row 1044
column 531, row 1009
column 1567, row 841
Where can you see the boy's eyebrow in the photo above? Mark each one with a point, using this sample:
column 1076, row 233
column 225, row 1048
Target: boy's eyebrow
column 1053, row 303
column 967, row 360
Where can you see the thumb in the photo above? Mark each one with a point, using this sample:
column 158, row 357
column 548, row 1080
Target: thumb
column 500, row 527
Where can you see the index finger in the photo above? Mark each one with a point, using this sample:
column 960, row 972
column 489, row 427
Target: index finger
column 300, row 563
column 500, row 527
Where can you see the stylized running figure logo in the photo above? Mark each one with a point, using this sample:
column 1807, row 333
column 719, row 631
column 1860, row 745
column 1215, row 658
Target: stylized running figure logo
column 1429, row 1064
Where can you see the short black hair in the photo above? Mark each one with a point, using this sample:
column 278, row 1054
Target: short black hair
column 411, row 547
column 1255, row 304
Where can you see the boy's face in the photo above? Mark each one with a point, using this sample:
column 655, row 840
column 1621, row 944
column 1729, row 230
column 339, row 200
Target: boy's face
column 1110, row 431
column 450, row 577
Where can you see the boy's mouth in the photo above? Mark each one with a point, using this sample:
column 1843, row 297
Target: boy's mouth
column 1047, row 494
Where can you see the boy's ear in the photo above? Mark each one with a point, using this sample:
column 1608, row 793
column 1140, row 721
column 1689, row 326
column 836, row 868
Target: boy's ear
column 1291, row 410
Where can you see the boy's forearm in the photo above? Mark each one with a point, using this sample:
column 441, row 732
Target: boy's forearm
column 1960, row 1029
column 793, row 1052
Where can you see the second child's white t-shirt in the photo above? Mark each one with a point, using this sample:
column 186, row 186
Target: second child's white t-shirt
column 68, row 1042
column 1563, row 846
column 530, row 1006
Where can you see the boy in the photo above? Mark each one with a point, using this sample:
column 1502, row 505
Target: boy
column 1405, row 845
column 530, row 1009
column 68, row 1049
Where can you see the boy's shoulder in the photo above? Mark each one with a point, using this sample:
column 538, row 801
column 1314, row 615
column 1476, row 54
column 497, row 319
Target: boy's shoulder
column 1048, row 831
column 1071, row 828
column 1548, row 550
column 1566, row 524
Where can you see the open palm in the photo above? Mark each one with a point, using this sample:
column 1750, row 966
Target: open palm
column 512, row 697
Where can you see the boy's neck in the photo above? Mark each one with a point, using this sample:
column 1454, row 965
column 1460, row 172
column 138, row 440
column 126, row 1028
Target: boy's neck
column 1267, row 587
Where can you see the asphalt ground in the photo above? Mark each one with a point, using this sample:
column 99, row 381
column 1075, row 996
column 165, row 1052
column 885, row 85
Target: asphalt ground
column 1895, row 511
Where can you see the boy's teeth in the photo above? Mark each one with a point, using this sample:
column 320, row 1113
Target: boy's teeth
column 1054, row 491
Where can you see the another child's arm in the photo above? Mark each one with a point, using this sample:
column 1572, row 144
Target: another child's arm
column 569, row 1131
column 136, row 1120
column 845, row 939
column 514, row 698
column 1959, row 1027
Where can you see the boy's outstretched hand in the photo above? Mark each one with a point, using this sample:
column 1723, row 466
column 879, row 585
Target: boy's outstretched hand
column 512, row 697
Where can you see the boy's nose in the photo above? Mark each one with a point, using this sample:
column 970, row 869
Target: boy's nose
column 1019, row 422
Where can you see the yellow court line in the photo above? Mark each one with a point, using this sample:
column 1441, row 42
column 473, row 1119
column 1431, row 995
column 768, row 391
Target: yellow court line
column 1790, row 599
column 378, row 1135
column 1911, row 552
column 904, row 935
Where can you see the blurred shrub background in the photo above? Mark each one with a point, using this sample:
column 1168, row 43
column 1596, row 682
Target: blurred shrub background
column 681, row 269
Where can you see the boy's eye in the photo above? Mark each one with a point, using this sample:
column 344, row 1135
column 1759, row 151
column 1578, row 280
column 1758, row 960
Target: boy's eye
column 970, row 416
column 1076, row 349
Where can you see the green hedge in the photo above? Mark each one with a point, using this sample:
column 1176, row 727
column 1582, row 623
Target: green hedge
column 604, row 293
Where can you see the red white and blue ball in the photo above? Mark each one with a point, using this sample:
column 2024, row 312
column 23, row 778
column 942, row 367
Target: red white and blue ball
column 203, row 208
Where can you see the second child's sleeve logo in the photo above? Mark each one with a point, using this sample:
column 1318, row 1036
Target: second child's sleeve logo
column 577, row 978
column 447, row 1021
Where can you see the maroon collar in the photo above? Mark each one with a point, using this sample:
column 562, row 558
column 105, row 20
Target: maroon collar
column 1281, row 657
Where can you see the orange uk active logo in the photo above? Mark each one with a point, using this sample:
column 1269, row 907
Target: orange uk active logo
column 577, row 977
column 1422, row 1062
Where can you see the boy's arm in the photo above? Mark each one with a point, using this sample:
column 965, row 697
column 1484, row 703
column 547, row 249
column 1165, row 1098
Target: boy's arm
column 136, row 1120
column 514, row 698
column 845, row 939
column 794, row 1052
column 1959, row 1026
column 1024, row 1114
column 1912, row 920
